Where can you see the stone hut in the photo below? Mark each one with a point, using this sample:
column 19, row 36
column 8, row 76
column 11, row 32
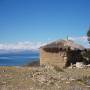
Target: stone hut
column 61, row 53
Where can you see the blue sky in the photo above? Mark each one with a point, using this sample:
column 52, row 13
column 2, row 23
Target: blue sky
column 43, row 20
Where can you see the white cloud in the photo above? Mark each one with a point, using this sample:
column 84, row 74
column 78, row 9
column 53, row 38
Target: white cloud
column 27, row 45
column 82, row 40
column 21, row 45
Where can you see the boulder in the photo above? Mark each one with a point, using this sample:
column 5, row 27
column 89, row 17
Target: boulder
column 79, row 65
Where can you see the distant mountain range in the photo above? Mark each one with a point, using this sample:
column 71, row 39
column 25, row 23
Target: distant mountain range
column 18, row 52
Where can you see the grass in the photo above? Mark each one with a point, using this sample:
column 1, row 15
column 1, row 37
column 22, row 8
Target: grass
column 84, row 79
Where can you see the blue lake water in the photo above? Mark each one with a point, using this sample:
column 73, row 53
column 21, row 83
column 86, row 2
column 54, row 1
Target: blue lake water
column 17, row 59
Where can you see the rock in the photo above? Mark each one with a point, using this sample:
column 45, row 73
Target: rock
column 79, row 65
column 67, row 82
column 88, row 66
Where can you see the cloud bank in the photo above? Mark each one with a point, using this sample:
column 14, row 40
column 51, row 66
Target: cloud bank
column 83, row 40
column 27, row 45
column 21, row 46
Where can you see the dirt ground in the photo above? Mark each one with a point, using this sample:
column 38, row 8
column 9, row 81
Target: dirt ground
column 44, row 78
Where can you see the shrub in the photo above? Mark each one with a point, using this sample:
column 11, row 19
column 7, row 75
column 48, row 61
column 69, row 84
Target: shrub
column 58, row 69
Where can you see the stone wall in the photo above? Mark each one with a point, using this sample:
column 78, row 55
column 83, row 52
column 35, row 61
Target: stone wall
column 58, row 59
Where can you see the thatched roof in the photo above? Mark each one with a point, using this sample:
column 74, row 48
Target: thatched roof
column 64, row 45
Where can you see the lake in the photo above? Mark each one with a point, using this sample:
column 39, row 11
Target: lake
column 17, row 59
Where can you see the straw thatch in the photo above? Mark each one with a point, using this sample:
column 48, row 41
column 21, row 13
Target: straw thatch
column 62, row 45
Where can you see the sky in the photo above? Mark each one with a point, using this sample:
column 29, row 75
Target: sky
column 41, row 21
